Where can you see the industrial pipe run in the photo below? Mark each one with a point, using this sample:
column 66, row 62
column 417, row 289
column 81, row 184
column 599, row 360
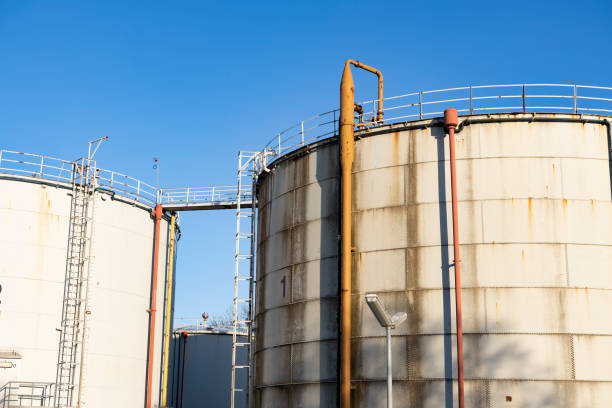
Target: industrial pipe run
column 168, row 311
column 450, row 123
column 157, row 213
column 184, row 335
column 347, row 144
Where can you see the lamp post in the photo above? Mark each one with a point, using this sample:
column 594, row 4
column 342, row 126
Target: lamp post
column 388, row 322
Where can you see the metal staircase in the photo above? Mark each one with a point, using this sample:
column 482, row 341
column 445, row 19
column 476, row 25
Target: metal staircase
column 75, row 315
column 244, row 277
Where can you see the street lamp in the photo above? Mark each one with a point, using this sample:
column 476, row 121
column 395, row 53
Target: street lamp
column 388, row 322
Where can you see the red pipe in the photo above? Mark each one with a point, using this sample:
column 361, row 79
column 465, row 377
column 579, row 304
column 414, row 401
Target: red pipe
column 183, row 368
column 157, row 213
column 450, row 122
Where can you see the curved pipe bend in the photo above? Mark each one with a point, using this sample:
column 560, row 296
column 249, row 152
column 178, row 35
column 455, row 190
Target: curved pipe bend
column 357, row 64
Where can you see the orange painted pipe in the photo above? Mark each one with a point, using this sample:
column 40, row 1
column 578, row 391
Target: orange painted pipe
column 347, row 142
column 157, row 213
column 379, row 113
column 450, row 122
column 347, row 145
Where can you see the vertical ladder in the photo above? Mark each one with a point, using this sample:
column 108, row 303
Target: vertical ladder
column 75, row 284
column 244, row 274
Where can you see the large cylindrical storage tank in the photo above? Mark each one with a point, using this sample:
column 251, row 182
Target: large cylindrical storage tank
column 34, row 232
column 535, row 222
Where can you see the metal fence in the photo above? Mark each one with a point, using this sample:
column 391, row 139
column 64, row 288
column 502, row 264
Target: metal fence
column 468, row 100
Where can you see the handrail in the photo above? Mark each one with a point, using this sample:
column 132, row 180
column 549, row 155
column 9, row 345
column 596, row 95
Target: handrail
column 30, row 393
column 468, row 100
column 542, row 97
column 212, row 323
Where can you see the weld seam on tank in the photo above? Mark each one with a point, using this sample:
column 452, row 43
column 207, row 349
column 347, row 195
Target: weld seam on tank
column 605, row 122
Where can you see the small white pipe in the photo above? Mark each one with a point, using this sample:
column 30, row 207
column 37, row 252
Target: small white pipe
column 389, row 370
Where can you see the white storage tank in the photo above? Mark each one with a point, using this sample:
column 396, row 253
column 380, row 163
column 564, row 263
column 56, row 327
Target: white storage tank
column 535, row 219
column 35, row 213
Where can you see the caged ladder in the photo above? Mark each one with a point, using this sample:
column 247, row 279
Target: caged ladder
column 244, row 278
column 73, row 332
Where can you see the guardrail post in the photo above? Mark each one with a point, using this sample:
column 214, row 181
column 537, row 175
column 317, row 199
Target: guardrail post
column 213, row 194
column 334, row 112
column 523, row 98
column 279, row 145
column 137, row 189
column 42, row 158
column 302, row 133
column 187, row 200
column 470, row 99
column 420, row 105
column 575, row 99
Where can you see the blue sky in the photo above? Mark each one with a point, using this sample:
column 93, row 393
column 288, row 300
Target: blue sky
column 193, row 82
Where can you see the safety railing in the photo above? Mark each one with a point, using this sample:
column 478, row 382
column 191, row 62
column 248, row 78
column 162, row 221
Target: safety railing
column 127, row 186
column 52, row 168
column 217, row 324
column 468, row 100
column 26, row 394
column 215, row 195
column 35, row 165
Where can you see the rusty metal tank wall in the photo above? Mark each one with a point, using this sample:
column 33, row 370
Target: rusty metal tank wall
column 34, row 226
column 535, row 218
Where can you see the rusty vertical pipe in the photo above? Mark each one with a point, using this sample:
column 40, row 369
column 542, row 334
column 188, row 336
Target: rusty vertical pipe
column 347, row 142
column 450, row 123
column 168, row 311
column 379, row 113
column 157, row 213
column 183, row 367
column 347, row 145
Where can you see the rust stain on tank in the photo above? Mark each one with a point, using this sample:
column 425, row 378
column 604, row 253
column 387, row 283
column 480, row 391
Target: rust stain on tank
column 530, row 216
column 530, row 208
column 496, row 313
column 553, row 168
column 396, row 136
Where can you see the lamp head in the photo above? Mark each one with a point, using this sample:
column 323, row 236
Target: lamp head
column 379, row 310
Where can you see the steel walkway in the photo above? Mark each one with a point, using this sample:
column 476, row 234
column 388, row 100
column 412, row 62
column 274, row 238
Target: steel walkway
column 205, row 198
